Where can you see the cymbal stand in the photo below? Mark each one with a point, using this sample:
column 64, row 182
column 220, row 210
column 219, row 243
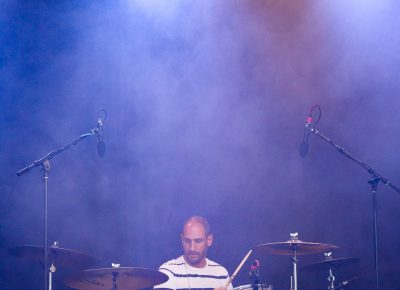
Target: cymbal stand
column 294, row 262
column 115, row 276
column 294, row 237
column 342, row 284
column 52, row 268
column 255, row 275
column 331, row 280
column 114, row 279
column 291, row 282
column 44, row 162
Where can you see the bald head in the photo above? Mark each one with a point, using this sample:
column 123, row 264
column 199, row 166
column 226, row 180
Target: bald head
column 196, row 238
column 200, row 220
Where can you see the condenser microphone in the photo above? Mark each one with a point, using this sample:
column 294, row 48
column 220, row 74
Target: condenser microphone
column 101, row 145
column 303, row 148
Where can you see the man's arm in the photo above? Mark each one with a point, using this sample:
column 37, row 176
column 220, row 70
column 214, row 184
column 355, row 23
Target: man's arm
column 169, row 284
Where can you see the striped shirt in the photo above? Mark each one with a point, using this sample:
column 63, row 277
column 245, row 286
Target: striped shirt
column 182, row 276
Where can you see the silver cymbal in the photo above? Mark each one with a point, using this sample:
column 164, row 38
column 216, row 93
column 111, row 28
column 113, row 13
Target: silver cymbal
column 59, row 256
column 330, row 263
column 291, row 247
column 125, row 278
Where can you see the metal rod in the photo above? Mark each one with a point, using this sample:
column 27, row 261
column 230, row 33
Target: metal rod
column 375, row 209
column 295, row 271
column 45, row 242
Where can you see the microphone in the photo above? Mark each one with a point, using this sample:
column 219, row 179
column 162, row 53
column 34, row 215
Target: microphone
column 254, row 273
column 101, row 145
column 303, row 148
column 255, row 265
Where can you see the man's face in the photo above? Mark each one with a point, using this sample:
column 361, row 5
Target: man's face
column 195, row 244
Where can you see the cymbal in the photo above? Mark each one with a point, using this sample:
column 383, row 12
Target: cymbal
column 126, row 278
column 330, row 263
column 59, row 256
column 291, row 247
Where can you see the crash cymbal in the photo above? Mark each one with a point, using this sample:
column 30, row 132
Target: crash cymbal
column 330, row 263
column 126, row 278
column 293, row 246
column 57, row 256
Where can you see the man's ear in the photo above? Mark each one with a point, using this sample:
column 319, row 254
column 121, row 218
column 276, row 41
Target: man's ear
column 210, row 240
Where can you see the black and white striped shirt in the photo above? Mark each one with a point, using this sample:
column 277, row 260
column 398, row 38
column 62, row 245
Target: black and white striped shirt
column 182, row 276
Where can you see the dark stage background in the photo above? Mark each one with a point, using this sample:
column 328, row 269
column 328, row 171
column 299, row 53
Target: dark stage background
column 206, row 105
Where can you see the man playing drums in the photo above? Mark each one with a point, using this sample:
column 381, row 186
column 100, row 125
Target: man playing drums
column 193, row 270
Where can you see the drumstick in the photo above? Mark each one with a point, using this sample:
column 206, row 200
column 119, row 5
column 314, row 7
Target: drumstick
column 238, row 269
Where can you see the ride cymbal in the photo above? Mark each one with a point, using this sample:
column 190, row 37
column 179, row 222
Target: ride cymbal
column 125, row 278
column 292, row 247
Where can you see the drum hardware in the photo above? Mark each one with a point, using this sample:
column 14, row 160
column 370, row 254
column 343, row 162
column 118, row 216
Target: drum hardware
column 331, row 264
column 294, row 247
column 252, row 286
column 331, row 280
column 56, row 256
column 343, row 284
column 294, row 244
column 291, row 282
column 254, row 273
column 116, row 277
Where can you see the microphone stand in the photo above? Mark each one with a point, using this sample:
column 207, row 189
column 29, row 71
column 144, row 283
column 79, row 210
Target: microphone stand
column 45, row 164
column 373, row 181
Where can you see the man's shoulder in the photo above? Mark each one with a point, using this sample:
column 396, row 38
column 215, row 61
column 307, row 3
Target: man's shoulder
column 173, row 269
column 216, row 265
column 173, row 263
column 213, row 263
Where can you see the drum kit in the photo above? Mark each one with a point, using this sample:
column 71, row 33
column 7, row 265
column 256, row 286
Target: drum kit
column 131, row 278
column 114, row 278
column 294, row 248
